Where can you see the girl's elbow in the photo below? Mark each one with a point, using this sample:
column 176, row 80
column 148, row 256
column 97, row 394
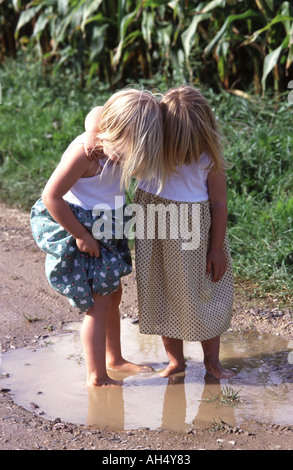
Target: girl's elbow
column 47, row 198
column 44, row 196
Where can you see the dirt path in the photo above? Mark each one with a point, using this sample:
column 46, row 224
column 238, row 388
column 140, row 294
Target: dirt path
column 30, row 310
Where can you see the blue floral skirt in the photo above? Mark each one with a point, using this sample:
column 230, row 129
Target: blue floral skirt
column 73, row 273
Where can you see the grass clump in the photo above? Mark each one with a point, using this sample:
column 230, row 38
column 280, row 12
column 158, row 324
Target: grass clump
column 259, row 144
column 227, row 396
column 39, row 116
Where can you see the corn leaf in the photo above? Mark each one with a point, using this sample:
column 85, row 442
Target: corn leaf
column 212, row 5
column 89, row 8
column 248, row 14
column 126, row 21
column 271, row 60
column 26, row 16
column 188, row 36
column 277, row 19
column 40, row 25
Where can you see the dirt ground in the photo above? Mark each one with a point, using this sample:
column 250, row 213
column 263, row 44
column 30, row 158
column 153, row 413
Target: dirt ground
column 30, row 310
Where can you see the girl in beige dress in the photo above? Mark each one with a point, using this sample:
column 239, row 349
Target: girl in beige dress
column 185, row 288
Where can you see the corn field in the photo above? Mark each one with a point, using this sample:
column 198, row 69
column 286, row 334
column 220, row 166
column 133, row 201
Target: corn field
column 237, row 45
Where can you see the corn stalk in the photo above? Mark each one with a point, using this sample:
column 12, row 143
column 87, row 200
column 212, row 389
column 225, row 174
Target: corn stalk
column 118, row 41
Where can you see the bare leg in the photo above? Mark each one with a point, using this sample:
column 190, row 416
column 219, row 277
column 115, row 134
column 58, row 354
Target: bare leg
column 174, row 350
column 93, row 338
column 211, row 350
column 114, row 358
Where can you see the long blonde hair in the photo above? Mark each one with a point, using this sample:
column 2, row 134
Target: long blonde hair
column 131, row 124
column 190, row 128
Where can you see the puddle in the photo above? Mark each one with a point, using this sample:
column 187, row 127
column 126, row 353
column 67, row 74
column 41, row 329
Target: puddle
column 52, row 378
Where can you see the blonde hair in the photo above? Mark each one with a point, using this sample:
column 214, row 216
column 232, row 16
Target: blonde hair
column 190, row 129
column 131, row 124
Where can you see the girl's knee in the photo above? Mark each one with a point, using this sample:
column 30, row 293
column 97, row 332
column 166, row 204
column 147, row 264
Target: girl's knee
column 104, row 304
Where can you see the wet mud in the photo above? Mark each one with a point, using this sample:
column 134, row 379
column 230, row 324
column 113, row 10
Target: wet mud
column 41, row 408
column 262, row 389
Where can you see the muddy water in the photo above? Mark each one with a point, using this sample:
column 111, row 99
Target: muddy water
column 50, row 381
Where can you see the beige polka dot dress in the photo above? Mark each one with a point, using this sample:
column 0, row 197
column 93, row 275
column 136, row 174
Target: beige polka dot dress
column 176, row 298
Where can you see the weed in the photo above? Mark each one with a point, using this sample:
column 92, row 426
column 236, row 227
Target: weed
column 31, row 318
column 49, row 328
column 217, row 425
column 79, row 359
column 227, row 396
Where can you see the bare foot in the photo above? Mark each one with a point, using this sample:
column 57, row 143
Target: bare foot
column 171, row 370
column 218, row 371
column 105, row 382
column 129, row 367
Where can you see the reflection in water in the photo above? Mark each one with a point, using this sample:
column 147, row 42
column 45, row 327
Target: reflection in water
column 264, row 379
column 209, row 409
column 106, row 407
column 174, row 409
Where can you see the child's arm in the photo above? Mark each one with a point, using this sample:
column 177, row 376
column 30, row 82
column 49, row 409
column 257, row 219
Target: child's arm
column 91, row 125
column 69, row 170
column 216, row 259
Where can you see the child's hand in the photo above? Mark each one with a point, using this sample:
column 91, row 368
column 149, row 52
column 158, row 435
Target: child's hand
column 92, row 148
column 88, row 244
column 216, row 263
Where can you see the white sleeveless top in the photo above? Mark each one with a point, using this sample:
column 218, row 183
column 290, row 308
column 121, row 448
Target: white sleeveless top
column 102, row 189
column 189, row 184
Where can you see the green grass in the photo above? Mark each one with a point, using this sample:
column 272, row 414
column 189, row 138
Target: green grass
column 227, row 396
column 259, row 145
column 40, row 115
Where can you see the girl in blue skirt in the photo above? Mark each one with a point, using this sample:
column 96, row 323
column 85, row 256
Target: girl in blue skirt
column 79, row 223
